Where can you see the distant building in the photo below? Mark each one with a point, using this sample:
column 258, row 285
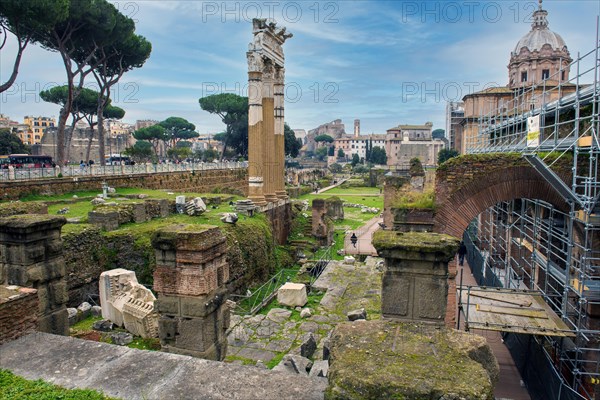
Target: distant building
column 115, row 127
column 406, row 142
column 4, row 121
column 540, row 60
column 352, row 144
column 144, row 123
column 36, row 128
column 335, row 129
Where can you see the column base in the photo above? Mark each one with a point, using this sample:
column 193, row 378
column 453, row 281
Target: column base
column 281, row 194
column 271, row 198
column 258, row 200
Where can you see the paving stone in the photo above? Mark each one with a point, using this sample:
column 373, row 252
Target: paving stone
column 290, row 325
column 254, row 320
column 332, row 296
column 280, row 345
column 279, row 315
column 309, row 326
column 255, row 354
column 320, row 318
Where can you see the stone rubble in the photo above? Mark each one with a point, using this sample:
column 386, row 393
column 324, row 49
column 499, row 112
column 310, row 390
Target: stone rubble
column 355, row 315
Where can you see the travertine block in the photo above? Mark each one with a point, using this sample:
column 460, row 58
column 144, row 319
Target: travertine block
column 292, row 295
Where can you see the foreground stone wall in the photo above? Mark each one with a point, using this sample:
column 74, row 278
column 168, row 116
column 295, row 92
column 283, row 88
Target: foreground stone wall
column 230, row 180
column 121, row 372
column 280, row 217
column 382, row 359
column 31, row 255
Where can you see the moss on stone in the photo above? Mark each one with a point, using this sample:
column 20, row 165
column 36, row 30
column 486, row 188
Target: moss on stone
column 424, row 242
column 18, row 207
column 391, row 360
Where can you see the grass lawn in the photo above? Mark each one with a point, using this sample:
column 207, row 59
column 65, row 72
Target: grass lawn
column 80, row 207
column 369, row 200
column 353, row 190
column 13, row 387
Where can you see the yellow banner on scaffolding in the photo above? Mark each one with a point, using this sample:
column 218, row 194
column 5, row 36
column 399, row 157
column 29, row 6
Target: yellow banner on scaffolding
column 533, row 131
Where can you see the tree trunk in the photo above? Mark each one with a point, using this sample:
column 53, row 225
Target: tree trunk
column 89, row 146
column 15, row 72
column 100, row 110
column 69, row 137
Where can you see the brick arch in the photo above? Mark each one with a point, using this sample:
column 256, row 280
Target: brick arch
column 463, row 191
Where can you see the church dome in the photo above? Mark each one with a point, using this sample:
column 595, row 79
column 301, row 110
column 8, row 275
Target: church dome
column 540, row 35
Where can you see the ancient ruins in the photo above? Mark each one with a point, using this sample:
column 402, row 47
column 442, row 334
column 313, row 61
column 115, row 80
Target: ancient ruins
column 266, row 74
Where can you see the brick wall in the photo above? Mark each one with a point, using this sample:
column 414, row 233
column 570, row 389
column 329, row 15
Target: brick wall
column 468, row 185
column 18, row 316
column 199, row 181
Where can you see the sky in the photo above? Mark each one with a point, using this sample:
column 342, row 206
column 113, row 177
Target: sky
column 383, row 62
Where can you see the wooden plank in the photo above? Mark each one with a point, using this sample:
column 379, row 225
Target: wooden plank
column 502, row 297
column 519, row 312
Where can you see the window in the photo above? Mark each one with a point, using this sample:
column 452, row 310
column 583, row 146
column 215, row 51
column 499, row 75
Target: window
column 562, row 75
column 545, row 73
column 524, row 76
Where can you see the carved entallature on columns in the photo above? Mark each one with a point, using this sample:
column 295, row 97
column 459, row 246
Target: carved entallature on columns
column 265, row 123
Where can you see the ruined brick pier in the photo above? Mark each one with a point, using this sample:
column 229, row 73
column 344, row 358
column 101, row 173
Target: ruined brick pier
column 190, row 276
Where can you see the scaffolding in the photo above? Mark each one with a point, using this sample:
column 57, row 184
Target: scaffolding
column 532, row 245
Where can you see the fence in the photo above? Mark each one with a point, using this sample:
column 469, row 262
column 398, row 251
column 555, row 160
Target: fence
column 24, row 174
column 254, row 301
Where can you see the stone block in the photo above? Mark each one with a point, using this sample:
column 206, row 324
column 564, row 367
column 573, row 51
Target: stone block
column 168, row 305
column 292, row 295
column 108, row 221
column 308, row 346
column 349, row 260
column 167, row 329
column 294, row 364
column 56, row 322
column 414, row 284
column 319, row 369
column 355, row 315
column 139, row 212
column 199, row 307
column 397, row 359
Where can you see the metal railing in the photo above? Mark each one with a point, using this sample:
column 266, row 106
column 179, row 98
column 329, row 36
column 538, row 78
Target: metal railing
column 25, row 174
column 256, row 299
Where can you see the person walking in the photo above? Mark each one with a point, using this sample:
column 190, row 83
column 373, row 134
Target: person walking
column 462, row 252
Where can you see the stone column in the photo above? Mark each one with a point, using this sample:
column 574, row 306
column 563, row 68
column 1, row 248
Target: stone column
column 414, row 284
column 190, row 276
column 255, row 121
column 279, row 134
column 31, row 255
column 270, row 156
